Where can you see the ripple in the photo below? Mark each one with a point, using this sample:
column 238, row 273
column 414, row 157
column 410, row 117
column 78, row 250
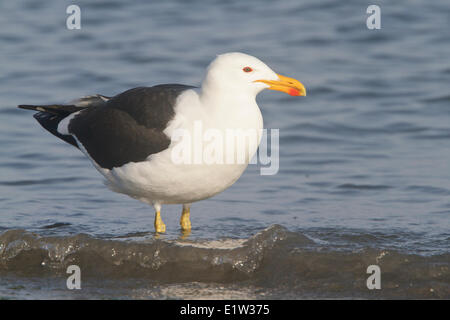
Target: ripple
column 428, row 190
column 56, row 225
column 363, row 186
column 40, row 181
column 443, row 98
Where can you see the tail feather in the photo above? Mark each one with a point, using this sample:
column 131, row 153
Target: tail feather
column 66, row 109
column 50, row 123
column 55, row 109
column 49, row 116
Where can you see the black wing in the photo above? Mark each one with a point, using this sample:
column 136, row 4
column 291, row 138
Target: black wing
column 128, row 127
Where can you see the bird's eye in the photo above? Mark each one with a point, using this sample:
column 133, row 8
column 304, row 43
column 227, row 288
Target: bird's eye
column 247, row 69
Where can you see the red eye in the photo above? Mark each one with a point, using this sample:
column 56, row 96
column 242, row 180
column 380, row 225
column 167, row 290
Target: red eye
column 247, row 69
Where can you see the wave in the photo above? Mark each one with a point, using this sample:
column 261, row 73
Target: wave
column 274, row 259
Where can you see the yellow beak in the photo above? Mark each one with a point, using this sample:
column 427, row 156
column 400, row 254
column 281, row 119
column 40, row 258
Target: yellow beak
column 286, row 84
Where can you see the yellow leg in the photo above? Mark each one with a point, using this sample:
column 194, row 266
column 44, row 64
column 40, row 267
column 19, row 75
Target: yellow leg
column 185, row 221
column 160, row 227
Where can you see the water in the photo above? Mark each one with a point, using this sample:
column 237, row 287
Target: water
column 364, row 158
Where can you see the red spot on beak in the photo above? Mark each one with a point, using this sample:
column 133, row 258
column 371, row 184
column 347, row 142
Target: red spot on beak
column 294, row 92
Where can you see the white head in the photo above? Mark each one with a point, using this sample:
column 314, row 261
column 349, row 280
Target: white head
column 239, row 73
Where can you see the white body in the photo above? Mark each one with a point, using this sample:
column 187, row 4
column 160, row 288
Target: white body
column 161, row 180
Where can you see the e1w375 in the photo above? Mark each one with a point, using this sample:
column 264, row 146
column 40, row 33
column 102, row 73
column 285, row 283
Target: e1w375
column 246, row 309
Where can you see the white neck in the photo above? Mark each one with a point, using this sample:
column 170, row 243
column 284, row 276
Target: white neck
column 232, row 109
